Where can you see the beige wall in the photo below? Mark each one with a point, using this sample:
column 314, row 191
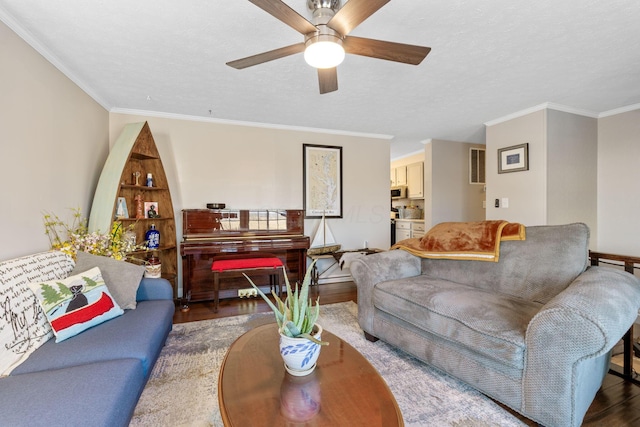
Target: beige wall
column 560, row 185
column 525, row 190
column 572, row 158
column 255, row 167
column 618, row 179
column 453, row 198
column 53, row 143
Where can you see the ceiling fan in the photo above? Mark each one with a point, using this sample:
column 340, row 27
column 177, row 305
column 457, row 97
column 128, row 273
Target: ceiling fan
column 326, row 39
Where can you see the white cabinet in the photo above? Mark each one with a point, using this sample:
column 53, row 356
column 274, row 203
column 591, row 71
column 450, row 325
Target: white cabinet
column 417, row 229
column 399, row 176
column 403, row 230
column 408, row 229
column 415, row 180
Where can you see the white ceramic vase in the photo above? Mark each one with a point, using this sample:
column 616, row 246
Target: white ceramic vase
column 300, row 354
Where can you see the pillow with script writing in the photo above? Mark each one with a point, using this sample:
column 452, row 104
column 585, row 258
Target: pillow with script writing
column 23, row 326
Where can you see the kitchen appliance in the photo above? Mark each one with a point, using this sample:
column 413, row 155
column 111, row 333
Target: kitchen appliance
column 399, row 192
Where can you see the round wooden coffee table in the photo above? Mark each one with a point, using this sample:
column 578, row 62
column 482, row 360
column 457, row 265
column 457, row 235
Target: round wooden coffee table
column 344, row 389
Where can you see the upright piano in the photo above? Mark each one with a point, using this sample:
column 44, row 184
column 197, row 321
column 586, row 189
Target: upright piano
column 211, row 233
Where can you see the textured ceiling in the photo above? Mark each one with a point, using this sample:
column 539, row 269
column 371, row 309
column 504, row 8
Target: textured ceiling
column 489, row 58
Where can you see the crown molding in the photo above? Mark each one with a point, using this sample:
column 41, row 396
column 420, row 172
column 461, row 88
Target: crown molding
column 620, row 110
column 186, row 117
column 404, row 156
column 49, row 56
column 566, row 109
column 544, row 106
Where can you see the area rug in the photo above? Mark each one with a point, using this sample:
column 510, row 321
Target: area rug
column 182, row 389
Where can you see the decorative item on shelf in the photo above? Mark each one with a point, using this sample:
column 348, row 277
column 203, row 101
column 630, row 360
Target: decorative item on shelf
column 136, row 178
column 130, row 236
column 76, row 237
column 139, row 206
column 153, row 267
column 121, row 209
column 300, row 335
column 152, row 237
column 149, row 180
column 151, row 210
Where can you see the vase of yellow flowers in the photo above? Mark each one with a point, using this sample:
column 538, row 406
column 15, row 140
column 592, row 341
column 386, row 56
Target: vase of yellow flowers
column 74, row 237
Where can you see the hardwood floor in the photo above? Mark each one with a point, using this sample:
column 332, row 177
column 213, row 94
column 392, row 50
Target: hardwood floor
column 617, row 404
column 329, row 293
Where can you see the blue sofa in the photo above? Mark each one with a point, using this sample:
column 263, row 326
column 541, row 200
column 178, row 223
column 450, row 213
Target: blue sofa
column 96, row 377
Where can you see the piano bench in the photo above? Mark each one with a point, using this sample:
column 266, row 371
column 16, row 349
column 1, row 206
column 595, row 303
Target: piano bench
column 228, row 267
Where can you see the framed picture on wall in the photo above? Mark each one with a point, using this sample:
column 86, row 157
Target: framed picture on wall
column 514, row 158
column 322, row 181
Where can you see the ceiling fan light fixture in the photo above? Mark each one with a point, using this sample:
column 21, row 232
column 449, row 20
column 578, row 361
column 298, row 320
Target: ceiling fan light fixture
column 324, row 51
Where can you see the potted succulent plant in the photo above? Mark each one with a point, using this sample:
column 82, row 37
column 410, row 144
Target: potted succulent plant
column 300, row 335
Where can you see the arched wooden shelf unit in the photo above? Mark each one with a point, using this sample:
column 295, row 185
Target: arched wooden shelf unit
column 135, row 152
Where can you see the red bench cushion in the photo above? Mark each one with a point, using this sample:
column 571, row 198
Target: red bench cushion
column 245, row 263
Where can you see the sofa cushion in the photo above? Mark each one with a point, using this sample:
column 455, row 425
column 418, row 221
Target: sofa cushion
column 76, row 303
column 122, row 278
column 97, row 394
column 536, row 269
column 23, row 326
column 489, row 323
column 137, row 334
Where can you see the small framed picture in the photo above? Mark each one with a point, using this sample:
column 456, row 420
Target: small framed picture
column 121, row 208
column 514, row 158
column 151, row 210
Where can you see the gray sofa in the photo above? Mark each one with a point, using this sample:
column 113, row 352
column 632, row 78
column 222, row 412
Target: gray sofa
column 96, row 377
column 534, row 331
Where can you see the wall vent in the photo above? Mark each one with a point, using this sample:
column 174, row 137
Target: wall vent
column 476, row 166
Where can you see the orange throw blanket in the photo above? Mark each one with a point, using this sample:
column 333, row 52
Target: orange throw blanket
column 479, row 241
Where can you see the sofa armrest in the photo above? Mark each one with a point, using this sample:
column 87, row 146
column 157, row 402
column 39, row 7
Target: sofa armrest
column 370, row 270
column 569, row 340
column 153, row 289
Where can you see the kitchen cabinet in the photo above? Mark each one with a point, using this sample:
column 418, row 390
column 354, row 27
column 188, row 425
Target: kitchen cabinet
column 415, row 180
column 403, row 230
column 399, row 176
column 417, row 229
column 406, row 229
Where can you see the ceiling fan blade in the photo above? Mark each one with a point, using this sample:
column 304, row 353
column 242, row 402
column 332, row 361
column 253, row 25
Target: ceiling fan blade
column 353, row 13
column 328, row 78
column 250, row 61
column 398, row 52
column 287, row 15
